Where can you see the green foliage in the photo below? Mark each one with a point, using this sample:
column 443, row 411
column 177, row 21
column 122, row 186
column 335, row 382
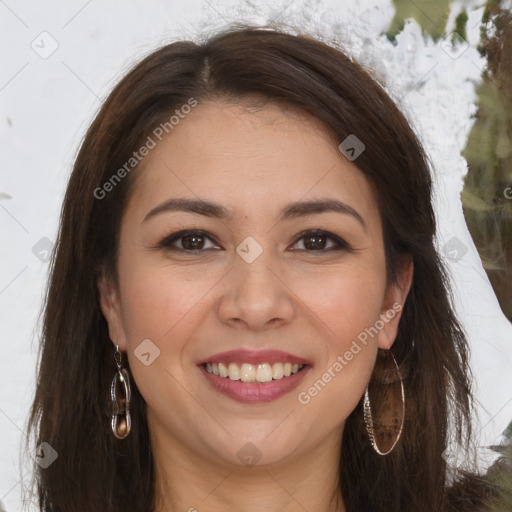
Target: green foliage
column 500, row 477
column 431, row 15
column 486, row 198
column 508, row 431
column 460, row 25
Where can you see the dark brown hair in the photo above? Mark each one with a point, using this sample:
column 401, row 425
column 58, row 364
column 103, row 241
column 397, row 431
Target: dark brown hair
column 71, row 409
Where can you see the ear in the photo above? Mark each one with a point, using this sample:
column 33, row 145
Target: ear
column 111, row 308
column 393, row 303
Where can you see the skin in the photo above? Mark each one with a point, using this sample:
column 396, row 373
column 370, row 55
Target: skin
column 254, row 161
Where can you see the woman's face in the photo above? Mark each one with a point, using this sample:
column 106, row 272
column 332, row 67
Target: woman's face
column 285, row 254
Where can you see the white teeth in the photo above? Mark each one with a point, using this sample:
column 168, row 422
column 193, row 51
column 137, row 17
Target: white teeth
column 223, row 370
column 233, row 372
column 277, row 371
column 247, row 372
column 264, row 373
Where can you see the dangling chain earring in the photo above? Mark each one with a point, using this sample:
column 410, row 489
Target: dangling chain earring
column 121, row 421
column 368, row 419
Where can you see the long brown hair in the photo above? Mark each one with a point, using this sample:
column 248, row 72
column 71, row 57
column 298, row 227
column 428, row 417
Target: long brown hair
column 71, row 409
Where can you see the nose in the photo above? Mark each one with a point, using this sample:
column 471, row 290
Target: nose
column 256, row 296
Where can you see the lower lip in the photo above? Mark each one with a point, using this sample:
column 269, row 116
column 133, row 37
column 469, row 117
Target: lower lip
column 255, row 392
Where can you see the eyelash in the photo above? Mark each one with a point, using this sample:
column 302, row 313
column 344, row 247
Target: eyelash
column 167, row 242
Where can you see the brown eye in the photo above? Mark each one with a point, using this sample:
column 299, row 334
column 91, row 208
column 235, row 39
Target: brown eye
column 320, row 241
column 191, row 242
column 314, row 242
column 188, row 241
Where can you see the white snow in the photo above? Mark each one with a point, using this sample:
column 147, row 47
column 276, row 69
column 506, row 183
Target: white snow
column 47, row 103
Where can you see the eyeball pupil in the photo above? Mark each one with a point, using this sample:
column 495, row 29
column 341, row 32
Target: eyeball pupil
column 193, row 242
column 312, row 242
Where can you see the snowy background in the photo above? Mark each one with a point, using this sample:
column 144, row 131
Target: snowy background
column 60, row 59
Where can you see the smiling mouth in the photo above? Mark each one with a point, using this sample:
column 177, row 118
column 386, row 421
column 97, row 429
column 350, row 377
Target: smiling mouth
column 253, row 373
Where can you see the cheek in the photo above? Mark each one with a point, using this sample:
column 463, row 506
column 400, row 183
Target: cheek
column 163, row 306
column 346, row 301
column 156, row 299
column 347, row 305
column 334, row 391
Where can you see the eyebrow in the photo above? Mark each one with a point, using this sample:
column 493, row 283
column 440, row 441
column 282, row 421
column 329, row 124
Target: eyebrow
column 215, row 210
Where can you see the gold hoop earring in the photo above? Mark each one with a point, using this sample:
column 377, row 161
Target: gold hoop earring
column 121, row 420
column 385, row 428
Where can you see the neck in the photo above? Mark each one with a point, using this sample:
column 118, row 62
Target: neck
column 187, row 481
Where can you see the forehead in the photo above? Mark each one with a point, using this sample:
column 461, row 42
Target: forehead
column 252, row 156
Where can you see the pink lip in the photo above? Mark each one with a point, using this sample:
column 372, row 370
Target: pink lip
column 253, row 357
column 255, row 392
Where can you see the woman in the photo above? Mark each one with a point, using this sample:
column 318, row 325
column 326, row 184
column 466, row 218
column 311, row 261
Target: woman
column 246, row 309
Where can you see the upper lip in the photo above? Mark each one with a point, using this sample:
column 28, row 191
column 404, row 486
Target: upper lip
column 254, row 357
